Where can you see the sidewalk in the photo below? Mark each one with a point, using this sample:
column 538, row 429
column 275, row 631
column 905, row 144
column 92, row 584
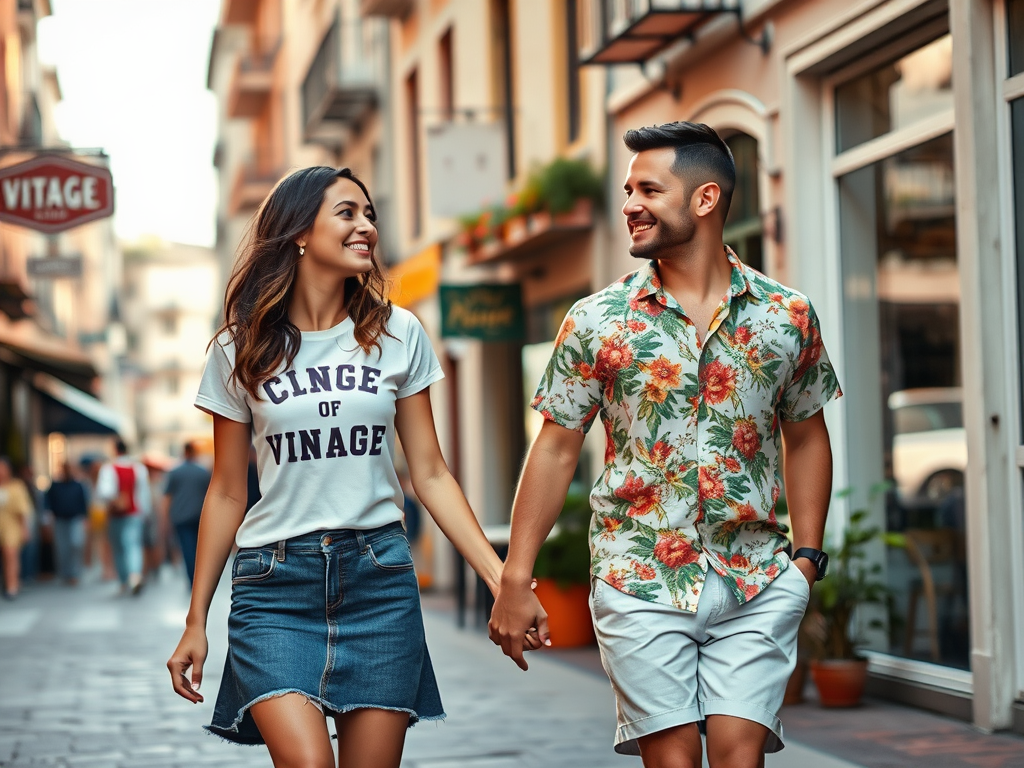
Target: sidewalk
column 84, row 686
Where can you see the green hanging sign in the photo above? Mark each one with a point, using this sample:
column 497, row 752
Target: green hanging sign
column 487, row 312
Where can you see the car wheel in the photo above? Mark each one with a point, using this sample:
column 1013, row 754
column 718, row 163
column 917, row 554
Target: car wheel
column 941, row 484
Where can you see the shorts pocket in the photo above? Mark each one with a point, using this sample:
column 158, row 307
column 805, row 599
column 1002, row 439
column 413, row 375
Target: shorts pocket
column 391, row 553
column 253, row 565
column 804, row 588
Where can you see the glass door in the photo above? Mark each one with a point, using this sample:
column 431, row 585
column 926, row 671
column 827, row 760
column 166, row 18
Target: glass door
column 897, row 212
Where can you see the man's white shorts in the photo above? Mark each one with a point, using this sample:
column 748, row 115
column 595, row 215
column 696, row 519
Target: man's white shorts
column 669, row 667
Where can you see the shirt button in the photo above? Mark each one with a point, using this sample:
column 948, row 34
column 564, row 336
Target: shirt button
column 327, row 541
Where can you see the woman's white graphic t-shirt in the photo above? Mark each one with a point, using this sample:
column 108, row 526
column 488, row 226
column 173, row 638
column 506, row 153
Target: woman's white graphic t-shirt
column 324, row 429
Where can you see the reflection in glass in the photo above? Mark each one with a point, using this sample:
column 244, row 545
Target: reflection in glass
column 898, row 229
column 895, row 95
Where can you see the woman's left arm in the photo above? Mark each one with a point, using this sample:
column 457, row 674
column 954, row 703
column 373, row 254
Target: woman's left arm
column 439, row 491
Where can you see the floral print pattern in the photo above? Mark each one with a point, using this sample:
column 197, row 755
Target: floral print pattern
column 692, row 474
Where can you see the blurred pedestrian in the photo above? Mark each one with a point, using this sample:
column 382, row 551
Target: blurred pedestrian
column 37, row 553
column 98, row 540
column 154, row 533
column 123, row 485
column 704, row 373
column 67, row 500
column 16, row 514
column 316, row 365
column 182, row 504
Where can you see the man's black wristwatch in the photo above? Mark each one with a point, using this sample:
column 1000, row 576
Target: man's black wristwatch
column 816, row 556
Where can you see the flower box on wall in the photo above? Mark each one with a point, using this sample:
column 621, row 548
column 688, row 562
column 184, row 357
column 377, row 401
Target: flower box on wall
column 524, row 234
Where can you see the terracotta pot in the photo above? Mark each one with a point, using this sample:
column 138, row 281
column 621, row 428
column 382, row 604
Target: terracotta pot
column 569, row 619
column 581, row 214
column 840, row 682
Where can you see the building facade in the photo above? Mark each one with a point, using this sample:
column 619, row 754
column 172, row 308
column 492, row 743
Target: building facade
column 170, row 309
column 60, row 344
column 880, row 172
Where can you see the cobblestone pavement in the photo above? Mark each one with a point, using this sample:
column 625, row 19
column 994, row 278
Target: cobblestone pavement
column 83, row 685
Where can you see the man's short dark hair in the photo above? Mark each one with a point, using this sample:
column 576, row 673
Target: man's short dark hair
column 120, row 447
column 701, row 155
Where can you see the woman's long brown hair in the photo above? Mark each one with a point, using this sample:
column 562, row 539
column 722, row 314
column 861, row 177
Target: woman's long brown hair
column 260, row 288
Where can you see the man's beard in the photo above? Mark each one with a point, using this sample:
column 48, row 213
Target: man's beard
column 668, row 236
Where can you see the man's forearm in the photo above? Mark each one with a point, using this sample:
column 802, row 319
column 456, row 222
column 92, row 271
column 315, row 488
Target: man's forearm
column 548, row 471
column 808, row 475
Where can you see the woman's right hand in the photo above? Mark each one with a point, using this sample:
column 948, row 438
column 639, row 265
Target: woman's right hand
column 191, row 652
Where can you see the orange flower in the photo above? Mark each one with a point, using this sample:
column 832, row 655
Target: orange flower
column 654, row 393
column 663, row 373
column 586, row 371
column 617, row 579
column 675, row 550
column 660, row 452
column 742, row 336
column 642, row 498
column 799, row 315
column 567, row 327
column 719, row 382
column 709, row 483
column 810, row 354
column 745, row 438
column 732, row 465
column 613, row 356
column 746, row 513
column 611, row 524
column 739, row 561
column 645, row 572
column 771, row 571
column 636, row 326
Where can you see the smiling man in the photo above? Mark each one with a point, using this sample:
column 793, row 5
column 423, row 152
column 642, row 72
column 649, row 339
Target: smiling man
column 705, row 373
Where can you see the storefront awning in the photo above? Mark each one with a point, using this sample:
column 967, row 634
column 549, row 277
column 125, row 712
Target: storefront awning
column 26, row 345
column 71, row 411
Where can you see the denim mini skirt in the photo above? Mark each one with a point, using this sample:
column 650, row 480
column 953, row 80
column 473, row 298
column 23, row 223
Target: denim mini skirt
column 332, row 615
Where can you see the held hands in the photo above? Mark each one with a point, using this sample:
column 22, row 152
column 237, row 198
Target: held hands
column 518, row 621
column 191, row 652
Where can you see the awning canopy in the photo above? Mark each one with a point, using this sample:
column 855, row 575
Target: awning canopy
column 26, row 345
column 71, row 411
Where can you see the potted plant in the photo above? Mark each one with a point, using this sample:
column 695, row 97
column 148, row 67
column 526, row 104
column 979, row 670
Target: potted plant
column 562, row 571
column 838, row 671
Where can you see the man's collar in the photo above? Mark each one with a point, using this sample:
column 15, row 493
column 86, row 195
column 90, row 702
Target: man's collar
column 740, row 282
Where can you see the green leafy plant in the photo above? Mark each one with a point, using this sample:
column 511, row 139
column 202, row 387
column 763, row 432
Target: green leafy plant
column 850, row 583
column 564, row 181
column 565, row 557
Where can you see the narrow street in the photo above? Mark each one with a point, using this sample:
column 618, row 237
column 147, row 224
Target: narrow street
column 84, row 685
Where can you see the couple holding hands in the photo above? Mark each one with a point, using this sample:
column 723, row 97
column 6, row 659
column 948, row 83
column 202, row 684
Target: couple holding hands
column 703, row 372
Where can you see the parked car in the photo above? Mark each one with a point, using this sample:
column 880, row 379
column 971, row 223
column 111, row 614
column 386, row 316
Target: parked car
column 929, row 450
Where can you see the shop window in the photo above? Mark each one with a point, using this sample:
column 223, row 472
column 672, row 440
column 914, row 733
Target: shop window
column 744, row 228
column 895, row 94
column 902, row 306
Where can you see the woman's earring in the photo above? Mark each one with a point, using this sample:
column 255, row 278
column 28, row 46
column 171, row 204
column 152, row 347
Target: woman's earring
column 302, row 250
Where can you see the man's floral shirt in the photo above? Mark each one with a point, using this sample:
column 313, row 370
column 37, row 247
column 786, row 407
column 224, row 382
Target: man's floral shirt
column 692, row 472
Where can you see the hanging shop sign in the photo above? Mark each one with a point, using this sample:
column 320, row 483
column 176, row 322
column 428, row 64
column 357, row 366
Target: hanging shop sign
column 52, row 193
column 53, row 267
column 485, row 312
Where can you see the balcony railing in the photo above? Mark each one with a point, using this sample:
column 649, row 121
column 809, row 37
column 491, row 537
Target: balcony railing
column 341, row 87
column 396, row 9
column 253, row 182
column 252, row 81
column 624, row 31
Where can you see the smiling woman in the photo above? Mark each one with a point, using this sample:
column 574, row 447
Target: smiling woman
column 315, row 366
